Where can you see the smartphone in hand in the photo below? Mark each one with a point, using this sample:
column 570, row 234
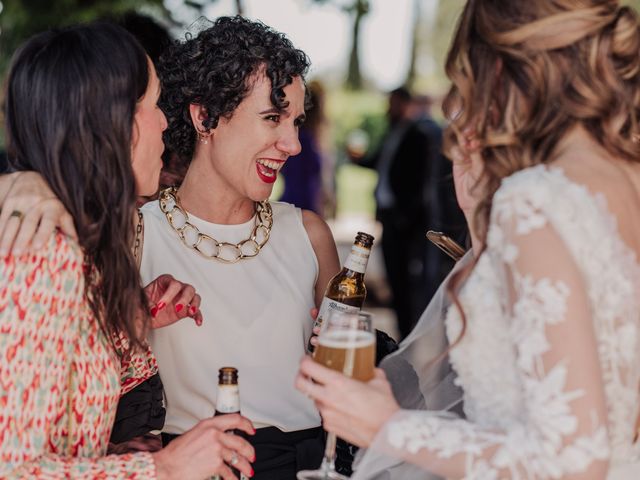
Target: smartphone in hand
column 444, row 243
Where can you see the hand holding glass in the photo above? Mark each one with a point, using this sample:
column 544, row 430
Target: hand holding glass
column 347, row 344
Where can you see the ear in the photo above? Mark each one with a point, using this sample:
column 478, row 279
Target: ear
column 198, row 115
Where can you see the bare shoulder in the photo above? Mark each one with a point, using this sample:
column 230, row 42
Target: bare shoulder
column 618, row 181
column 316, row 227
column 320, row 236
column 322, row 242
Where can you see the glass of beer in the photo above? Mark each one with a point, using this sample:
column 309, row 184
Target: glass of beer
column 347, row 344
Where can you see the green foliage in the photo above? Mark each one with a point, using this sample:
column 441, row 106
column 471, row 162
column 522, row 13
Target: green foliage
column 354, row 191
column 349, row 110
column 20, row 19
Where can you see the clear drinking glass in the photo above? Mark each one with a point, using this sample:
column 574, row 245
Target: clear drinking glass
column 346, row 343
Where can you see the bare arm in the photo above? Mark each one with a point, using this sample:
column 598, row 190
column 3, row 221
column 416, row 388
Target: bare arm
column 325, row 249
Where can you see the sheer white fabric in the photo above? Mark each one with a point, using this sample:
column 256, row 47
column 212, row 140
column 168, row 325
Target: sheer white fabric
column 550, row 359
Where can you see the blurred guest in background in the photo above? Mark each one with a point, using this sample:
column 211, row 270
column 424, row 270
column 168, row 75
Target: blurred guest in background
column 402, row 202
column 303, row 182
column 439, row 195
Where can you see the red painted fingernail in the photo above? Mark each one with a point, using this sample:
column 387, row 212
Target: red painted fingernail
column 179, row 307
column 192, row 310
column 161, row 305
column 154, row 312
column 251, row 473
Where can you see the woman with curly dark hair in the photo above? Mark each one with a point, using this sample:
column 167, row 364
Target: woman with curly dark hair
column 81, row 112
column 234, row 96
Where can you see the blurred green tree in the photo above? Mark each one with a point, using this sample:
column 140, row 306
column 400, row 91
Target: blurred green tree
column 357, row 9
column 19, row 19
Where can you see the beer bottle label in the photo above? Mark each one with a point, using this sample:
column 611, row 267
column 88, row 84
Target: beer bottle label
column 330, row 304
column 228, row 400
column 357, row 259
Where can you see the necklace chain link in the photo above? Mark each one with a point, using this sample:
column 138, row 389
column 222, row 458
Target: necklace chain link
column 206, row 245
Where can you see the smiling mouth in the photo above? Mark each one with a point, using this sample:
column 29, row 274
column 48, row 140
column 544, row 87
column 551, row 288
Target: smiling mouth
column 268, row 169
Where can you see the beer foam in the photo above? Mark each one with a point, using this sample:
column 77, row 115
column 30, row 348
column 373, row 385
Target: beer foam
column 346, row 339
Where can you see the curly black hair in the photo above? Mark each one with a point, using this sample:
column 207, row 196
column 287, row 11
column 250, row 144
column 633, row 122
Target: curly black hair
column 214, row 70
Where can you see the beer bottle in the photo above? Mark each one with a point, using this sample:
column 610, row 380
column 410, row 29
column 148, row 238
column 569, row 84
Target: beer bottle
column 228, row 401
column 346, row 291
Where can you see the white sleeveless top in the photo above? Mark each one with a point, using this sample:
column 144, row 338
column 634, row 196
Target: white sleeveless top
column 256, row 318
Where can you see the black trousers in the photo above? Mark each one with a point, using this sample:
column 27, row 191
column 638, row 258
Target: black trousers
column 403, row 248
column 279, row 455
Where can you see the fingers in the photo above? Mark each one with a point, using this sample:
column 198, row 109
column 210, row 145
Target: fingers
column 319, row 373
column 226, row 474
column 167, row 287
column 8, row 235
column 305, row 386
column 238, row 456
column 314, row 313
column 230, row 422
column 238, row 462
column 68, row 226
column 379, row 374
column 45, row 231
column 27, row 231
column 194, row 309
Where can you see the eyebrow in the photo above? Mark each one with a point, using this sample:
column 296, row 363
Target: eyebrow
column 273, row 110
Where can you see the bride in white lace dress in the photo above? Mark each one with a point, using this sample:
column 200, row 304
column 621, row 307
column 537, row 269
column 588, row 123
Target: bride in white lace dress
column 545, row 333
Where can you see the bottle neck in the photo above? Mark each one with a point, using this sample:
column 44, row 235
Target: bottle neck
column 357, row 259
column 228, row 399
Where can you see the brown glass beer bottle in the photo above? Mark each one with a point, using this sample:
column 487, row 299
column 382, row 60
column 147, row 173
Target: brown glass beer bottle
column 346, row 291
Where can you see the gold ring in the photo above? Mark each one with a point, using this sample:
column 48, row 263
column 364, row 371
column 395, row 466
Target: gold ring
column 17, row 213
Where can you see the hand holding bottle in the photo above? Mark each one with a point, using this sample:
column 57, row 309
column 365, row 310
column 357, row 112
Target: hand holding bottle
column 206, row 449
column 313, row 341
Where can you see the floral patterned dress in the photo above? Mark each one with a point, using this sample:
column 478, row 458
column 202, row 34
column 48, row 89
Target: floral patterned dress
column 60, row 380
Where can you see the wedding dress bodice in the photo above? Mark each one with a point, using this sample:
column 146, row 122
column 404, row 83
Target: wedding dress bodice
column 549, row 359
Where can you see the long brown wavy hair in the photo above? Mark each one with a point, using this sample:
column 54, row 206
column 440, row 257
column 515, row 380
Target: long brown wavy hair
column 70, row 106
column 525, row 72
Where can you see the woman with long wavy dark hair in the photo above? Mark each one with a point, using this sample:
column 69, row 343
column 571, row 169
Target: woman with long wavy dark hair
column 234, row 95
column 545, row 331
column 81, row 111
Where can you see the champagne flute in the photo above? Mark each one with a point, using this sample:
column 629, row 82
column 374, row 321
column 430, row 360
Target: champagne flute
column 347, row 344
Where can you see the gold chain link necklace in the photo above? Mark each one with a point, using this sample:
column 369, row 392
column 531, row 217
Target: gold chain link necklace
column 208, row 246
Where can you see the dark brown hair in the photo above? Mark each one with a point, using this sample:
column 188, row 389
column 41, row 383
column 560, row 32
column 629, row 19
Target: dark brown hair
column 526, row 72
column 215, row 69
column 70, row 107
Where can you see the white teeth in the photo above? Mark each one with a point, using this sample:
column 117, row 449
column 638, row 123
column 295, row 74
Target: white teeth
column 273, row 165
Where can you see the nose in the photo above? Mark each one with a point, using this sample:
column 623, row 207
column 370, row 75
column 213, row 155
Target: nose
column 289, row 142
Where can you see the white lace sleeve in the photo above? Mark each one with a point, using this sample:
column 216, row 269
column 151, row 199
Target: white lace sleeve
column 561, row 428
